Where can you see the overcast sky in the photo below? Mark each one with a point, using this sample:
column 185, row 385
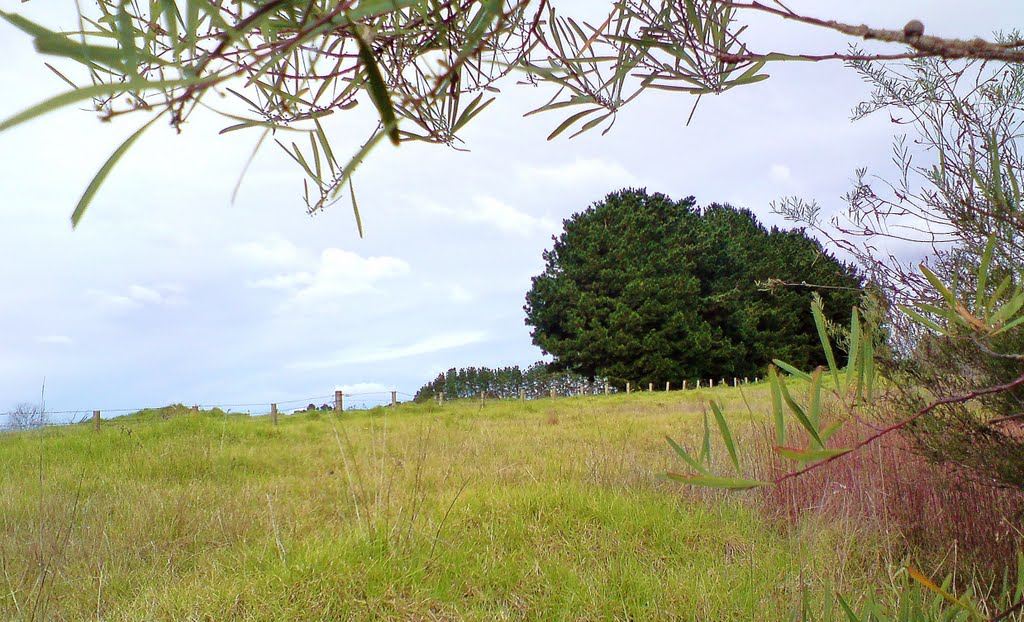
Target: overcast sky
column 168, row 293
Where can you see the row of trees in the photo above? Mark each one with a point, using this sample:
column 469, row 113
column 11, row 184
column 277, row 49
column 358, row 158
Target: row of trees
column 643, row 288
column 537, row 380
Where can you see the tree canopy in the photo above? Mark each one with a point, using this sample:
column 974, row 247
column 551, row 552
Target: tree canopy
column 642, row 288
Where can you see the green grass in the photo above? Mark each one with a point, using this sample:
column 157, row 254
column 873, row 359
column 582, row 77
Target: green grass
column 549, row 509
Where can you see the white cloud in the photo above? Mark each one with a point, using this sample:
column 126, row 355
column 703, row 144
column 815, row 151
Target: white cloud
column 581, row 172
column 429, row 345
column 362, row 388
column 275, row 251
column 283, row 281
column 460, row 295
column 62, row 340
column 490, row 211
column 144, row 294
column 138, row 296
column 340, row 273
column 781, row 172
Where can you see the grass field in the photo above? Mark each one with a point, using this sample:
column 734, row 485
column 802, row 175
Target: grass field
column 548, row 509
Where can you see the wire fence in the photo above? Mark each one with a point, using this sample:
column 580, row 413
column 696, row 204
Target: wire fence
column 29, row 416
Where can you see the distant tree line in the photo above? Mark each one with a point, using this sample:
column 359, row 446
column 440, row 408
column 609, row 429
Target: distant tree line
column 506, row 382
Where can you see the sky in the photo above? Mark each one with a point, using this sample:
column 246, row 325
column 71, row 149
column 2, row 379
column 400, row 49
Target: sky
column 170, row 293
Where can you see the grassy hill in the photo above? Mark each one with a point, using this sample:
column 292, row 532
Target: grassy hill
column 548, row 509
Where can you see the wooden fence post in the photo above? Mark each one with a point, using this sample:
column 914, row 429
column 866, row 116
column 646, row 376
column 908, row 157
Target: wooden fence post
column 684, row 385
column 607, row 389
column 735, row 382
column 650, row 387
column 627, row 388
column 668, row 386
column 96, row 420
column 394, row 398
column 552, row 394
column 273, row 413
column 339, row 401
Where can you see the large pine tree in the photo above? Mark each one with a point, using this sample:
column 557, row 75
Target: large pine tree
column 642, row 288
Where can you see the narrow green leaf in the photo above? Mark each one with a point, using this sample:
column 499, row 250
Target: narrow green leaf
column 792, row 371
column 101, row 175
column 939, row 285
column 378, row 90
column 322, row 137
column 126, row 40
column 814, row 407
column 818, row 311
column 357, row 159
column 1009, row 326
column 809, row 455
column 922, row 320
column 172, row 17
column 997, row 295
column 572, row 101
column 470, row 112
column 685, row 455
column 830, row 430
column 1009, row 309
column 568, row 122
column 780, row 423
column 248, row 162
column 705, row 447
column 89, row 92
column 355, row 208
column 376, row 8
column 59, row 45
column 27, row 26
column 589, row 125
column 986, row 260
column 853, row 366
column 869, row 367
column 723, row 427
column 710, row 481
column 800, row 415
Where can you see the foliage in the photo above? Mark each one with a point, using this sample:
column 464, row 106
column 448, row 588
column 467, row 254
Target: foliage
column 955, row 194
column 642, row 288
column 505, row 383
column 427, row 67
